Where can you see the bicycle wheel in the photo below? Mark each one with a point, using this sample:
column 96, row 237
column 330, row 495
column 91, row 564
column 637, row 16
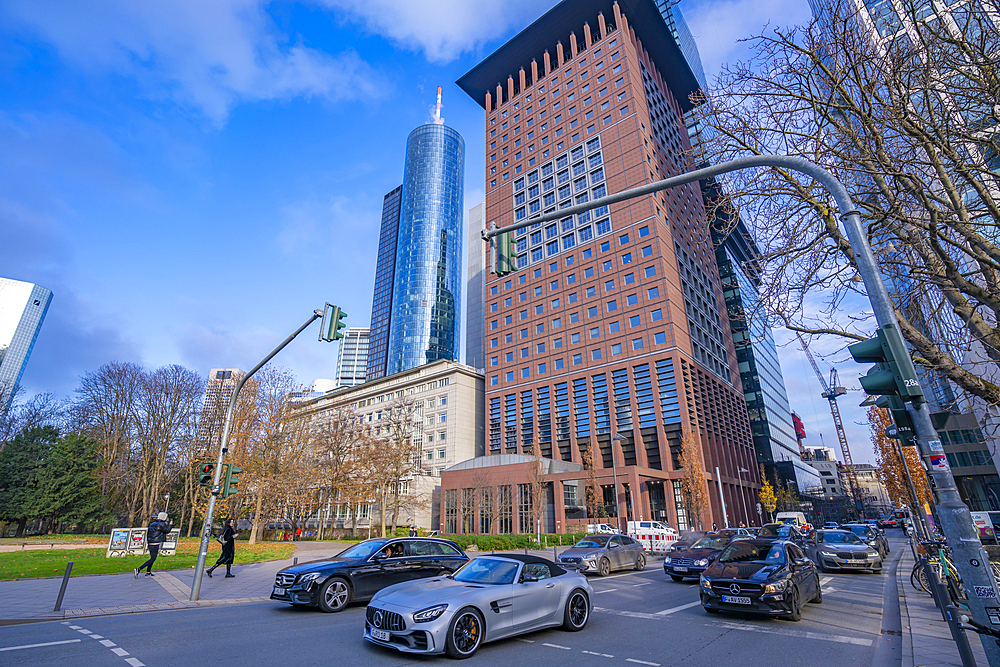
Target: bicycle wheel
column 919, row 579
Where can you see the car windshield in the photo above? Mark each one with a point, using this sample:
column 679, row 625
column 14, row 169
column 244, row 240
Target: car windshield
column 361, row 551
column 592, row 542
column 862, row 531
column 487, row 571
column 710, row 543
column 747, row 552
column 838, row 538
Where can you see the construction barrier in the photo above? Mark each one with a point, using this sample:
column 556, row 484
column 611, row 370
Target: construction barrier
column 655, row 543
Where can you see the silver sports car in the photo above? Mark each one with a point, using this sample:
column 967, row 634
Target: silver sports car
column 489, row 598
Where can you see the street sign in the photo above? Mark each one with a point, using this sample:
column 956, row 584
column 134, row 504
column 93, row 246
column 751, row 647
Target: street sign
column 759, row 509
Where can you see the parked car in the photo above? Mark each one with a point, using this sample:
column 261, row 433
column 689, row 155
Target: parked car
column 604, row 528
column 872, row 536
column 830, row 525
column 603, row 554
column 782, row 531
column 491, row 598
column 843, row 550
column 693, row 560
column 729, row 532
column 763, row 576
column 359, row 572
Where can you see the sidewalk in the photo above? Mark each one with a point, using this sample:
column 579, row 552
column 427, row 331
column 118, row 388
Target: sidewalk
column 927, row 641
column 99, row 595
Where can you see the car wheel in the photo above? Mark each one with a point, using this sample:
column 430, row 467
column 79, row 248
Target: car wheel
column 640, row 562
column 465, row 634
column 676, row 577
column 795, row 607
column 577, row 611
column 819, row 592
column 334, row 595
column 604, row 567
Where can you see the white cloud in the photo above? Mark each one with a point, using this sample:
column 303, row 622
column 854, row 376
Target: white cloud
column 442, row 29
column 208, row 56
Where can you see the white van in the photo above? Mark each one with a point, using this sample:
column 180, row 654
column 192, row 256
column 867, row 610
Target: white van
column 649, row 527
column 798, row 519
column 597, row 528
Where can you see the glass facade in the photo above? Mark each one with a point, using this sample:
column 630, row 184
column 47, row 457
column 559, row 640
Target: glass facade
column 426, row 288
column 352, row 358
column 22, row 310
column 385, row 273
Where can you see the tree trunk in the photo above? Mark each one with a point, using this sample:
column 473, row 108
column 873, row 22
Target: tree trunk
column 257, row 523
column 21, row 523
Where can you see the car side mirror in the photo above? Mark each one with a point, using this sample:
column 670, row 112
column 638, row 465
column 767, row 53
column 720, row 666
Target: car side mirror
column 802, row 562
column 379, row 557
column 529, row 578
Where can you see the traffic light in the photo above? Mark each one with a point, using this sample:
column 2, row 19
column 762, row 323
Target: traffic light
column 231, row 484
column 331, row 326
column 893, row 374
column 901, row 418
column 205, row 474
column 504, row 257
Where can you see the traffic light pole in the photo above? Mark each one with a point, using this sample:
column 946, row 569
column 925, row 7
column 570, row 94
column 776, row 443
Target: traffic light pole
column 206, row 531
column 961, row 534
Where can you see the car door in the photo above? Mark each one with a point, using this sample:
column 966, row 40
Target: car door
column 380, row 572
column 535, row 602
column 616, row 552
column 802, row 575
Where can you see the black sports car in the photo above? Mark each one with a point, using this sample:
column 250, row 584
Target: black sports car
column 361, row 571
column 763, row 576
column 692, row 561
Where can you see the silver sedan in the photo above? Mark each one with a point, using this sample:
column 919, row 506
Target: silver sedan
column 603, row 554
column 490, row 598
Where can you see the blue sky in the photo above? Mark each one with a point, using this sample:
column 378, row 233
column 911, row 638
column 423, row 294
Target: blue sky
column 192, row 178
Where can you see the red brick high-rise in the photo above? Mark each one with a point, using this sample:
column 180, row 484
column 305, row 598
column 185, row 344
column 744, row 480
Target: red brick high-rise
column 615, row 323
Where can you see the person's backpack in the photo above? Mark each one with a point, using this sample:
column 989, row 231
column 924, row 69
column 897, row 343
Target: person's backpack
column 221, row 539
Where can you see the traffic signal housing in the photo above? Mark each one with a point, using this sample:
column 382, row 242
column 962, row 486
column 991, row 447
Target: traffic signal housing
column 504, row 256
column 230, row 485
column 205, row 473
column 332, row 323
column 900, row 417
column 893, row 373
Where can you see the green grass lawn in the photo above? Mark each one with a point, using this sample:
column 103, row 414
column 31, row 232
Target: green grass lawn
column 52, row 563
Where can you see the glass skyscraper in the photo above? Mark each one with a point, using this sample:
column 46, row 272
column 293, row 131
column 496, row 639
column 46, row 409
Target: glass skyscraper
column 385, row 274
column 426, row 288
column 22, row 310
column 351, row 357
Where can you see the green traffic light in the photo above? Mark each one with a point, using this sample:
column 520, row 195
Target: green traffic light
column 505, row 260
column 894, row 372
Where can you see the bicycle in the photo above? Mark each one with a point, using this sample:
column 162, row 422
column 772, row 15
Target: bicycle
column 935, row 554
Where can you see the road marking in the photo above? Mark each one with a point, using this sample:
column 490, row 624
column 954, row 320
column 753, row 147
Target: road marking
column 96, row 636
column 15, row 648
column 825, row 580
column 677, row 609
column 109, row 643
column 642, row 662
column 565, row 648
column 74, row 627
column 601, row 655
column 526, row 641
column 119, row 652
column 84, row 631
column 840, row 639
column 608, row 590
column 135, row 662
column 630, row 614
column 830, row 590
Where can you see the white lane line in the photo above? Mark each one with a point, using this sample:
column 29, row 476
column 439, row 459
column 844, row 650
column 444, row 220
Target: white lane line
column 109, row 643
column 119, row 652
column 97, row 636
column 600, row 655
column 642, row 662
column 629, row 614
column 607, row 590
column 645, row 584
column 526, row 641
column 565, row 648
column 74, row 627
column 825, row 580
column 15, row 648
column 840, row 639
column 830, row 590
column 135, row 662
column 84, row 631
column 677, row 609
column 65, row 623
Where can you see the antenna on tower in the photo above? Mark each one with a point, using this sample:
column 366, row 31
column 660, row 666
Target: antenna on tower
column 437, row 110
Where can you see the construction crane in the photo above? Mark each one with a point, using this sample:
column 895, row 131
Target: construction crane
column 830, row 392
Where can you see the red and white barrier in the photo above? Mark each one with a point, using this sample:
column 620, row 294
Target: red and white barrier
column 654, row 542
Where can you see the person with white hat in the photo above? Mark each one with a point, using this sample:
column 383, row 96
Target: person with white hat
column 156, row 534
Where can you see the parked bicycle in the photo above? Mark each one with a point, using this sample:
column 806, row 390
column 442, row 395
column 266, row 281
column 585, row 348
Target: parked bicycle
column 936, row 554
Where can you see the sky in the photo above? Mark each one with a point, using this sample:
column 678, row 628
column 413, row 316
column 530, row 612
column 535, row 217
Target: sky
column 191, row 179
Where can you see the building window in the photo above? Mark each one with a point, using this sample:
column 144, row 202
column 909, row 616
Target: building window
column 616, row 348
column 595, row 354
column 656, row 315
column 637, row 344
column 659, row 338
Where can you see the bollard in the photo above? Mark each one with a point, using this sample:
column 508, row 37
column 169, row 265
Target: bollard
column 295, row 561
column 62, row 589
column 554, row 553
column 525, row 550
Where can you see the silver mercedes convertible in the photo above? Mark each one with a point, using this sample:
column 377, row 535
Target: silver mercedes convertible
column 489, row 598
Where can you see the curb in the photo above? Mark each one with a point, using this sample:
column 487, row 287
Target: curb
column 129, row 609
column 905, row 564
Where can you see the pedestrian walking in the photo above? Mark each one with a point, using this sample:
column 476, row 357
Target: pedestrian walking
column 155, row 536
column 228, row 555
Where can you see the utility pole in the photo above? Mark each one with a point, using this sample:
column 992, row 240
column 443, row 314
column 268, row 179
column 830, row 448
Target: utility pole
column 962, row 535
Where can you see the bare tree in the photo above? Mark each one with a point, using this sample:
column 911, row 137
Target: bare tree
column 693, row 486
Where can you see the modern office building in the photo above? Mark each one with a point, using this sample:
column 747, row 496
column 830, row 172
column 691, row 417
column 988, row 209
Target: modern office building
column 426, row 292
column 824, row 461
column 385, row 275
column 607, row 344
column 352, row 357
column 475, row 272
column 218, row 393
column 22, row 310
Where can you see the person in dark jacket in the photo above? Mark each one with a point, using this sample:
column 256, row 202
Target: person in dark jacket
column 155, row 536
column 228, row 554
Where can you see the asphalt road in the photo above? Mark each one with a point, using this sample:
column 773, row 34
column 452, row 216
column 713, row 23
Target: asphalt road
column 640, row 618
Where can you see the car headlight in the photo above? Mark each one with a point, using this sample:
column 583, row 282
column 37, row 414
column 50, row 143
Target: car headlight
column 705, row 582
column 667, row 560
column 827, row 553
column 701, row 562
column 777, row 587
column 312, row 576
column 872, row 553
column 429, row 614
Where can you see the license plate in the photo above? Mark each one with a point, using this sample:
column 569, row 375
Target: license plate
column 735, row 599
column 855, row 564
column 381, row 635
column 680, row 568
column 279, row 591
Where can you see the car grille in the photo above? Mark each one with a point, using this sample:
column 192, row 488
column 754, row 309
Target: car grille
column 390, row 620
column 745, row 588
column 284, row 579
column 569, row 559
column 674, row 560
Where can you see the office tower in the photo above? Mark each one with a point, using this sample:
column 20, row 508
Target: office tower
column 385, row 272
column 607, row 342
column 22, row 310
column 426, row 289
column 474, row 275
column 352, row 357
column 218, row 393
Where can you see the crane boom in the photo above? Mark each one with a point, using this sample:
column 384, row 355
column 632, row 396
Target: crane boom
column 812, row 362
